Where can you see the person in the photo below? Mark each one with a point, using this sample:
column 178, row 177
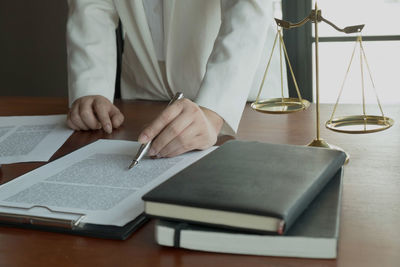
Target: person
column 215, row 52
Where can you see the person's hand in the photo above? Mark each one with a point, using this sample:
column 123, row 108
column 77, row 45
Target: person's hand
column 94, row 112
column 181, row 127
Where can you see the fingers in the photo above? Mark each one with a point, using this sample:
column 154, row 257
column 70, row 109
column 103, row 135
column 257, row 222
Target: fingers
column 182, row 127
column 88, row 116
column 117, row 118
column 102, row 110
column 75, row 119
column 186, row 141
column 108, row 115
column 94, row 112
column 71, row 124
column 173, row 130
column 169, row 114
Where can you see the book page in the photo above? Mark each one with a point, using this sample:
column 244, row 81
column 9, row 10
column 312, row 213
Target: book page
column 94, row 181
column 31, row 138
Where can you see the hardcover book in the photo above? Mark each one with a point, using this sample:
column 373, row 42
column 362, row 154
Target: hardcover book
column 314, row 234
column 251, row 186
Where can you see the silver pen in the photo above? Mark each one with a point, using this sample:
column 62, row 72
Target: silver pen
column 145, row 147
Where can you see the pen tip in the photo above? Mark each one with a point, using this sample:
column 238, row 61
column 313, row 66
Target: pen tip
column 132, row 164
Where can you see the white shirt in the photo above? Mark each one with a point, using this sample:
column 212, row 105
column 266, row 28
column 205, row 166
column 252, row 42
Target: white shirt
column 155, row 18
column 215, row 52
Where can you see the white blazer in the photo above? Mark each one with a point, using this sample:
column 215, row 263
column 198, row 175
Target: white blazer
column 215, row 52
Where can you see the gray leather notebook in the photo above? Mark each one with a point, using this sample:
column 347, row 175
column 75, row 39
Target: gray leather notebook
column 250, row 186
column 314, row 234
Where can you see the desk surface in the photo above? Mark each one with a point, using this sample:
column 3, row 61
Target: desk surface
column 370, row 218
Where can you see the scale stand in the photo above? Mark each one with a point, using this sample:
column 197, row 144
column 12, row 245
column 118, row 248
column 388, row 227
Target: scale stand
column 348, row 124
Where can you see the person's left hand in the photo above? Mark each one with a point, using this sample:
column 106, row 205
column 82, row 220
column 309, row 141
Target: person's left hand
column 181, row 127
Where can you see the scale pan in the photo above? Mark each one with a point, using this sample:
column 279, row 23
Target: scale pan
column 359, row 124
column 280, row 105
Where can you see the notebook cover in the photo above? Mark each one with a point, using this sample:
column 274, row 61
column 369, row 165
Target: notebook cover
column 264, row 179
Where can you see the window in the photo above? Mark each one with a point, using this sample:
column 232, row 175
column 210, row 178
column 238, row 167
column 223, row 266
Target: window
column 381, row 41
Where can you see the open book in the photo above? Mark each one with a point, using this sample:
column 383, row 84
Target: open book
column 88, row 192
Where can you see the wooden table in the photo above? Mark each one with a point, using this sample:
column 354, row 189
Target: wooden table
column 370, row 218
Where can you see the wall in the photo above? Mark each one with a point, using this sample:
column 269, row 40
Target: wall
column 32, row 48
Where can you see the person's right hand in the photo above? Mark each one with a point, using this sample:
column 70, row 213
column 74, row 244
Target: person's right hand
column 94, row 112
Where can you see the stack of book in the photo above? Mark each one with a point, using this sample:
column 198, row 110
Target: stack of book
column 253, row 198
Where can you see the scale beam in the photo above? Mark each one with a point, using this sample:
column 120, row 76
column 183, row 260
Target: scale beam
column 317, row 17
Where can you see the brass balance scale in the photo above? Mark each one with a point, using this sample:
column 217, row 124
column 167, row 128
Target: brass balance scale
column 353, row 124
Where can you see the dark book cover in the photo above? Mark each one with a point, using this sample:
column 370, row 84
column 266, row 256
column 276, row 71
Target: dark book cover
column 270, row 180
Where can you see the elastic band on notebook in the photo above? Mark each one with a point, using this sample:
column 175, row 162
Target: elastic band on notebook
column 177, row 233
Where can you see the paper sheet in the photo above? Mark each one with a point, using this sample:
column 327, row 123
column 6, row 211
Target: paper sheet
column 93, row 181
column 31, row 138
